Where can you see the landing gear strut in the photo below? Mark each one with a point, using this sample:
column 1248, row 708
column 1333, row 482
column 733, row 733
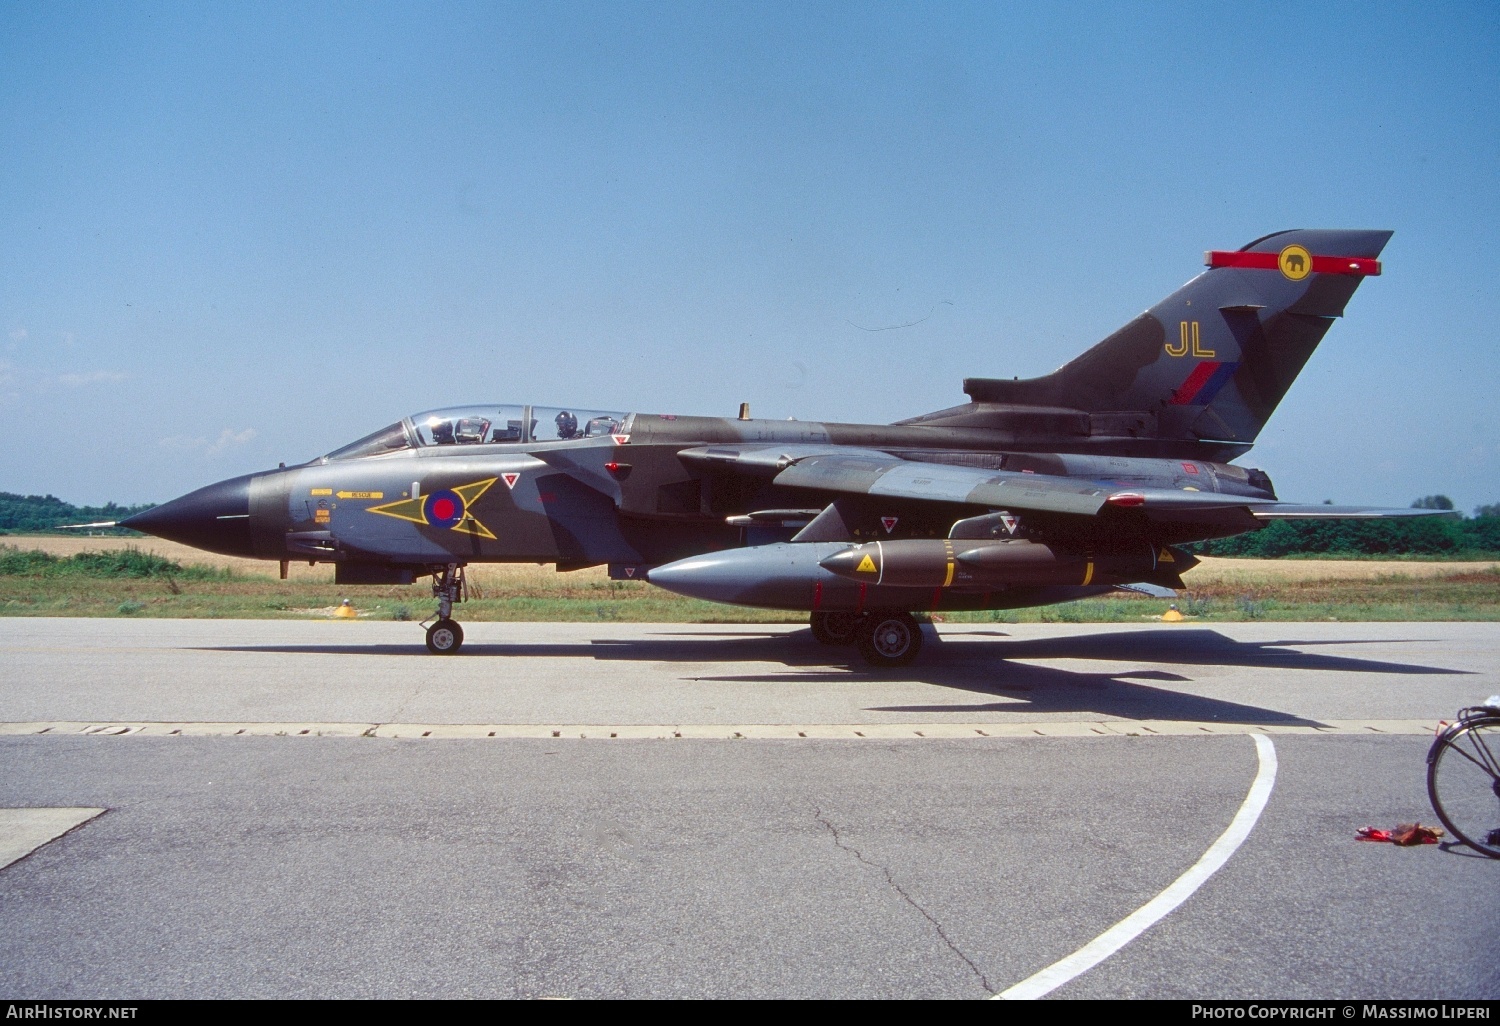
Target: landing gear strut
column 834, row 628
column 888, row 638
column 445, row 636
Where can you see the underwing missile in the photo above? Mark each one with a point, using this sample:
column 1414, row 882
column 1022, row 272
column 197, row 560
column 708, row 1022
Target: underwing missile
column 967, row 563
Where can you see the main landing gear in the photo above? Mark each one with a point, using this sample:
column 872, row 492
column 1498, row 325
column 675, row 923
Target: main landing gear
column 834, row 628
column 445, row 636
column 886, row 638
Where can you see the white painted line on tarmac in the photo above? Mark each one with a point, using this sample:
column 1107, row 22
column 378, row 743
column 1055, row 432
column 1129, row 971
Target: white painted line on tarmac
column 23, row 831
column 1143, row 918
column 748, row 731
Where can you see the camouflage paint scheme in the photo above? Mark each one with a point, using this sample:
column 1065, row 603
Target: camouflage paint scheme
column 1035, row 491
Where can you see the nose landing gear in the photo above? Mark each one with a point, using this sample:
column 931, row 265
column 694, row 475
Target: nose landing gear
column 445, row 636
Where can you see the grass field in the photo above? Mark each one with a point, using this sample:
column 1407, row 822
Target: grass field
column 1219, row 590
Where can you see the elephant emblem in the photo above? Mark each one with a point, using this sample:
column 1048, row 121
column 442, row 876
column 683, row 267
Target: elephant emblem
column 1295, row 262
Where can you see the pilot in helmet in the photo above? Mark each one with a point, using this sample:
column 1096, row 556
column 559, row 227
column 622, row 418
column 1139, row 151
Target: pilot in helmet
column 567, row 425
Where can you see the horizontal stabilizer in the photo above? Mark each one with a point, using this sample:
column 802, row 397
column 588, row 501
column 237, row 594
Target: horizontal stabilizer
column 1290, row 511
column 80, row 527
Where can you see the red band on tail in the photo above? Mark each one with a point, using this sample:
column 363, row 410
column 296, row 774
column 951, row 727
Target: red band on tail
column 1271, row 262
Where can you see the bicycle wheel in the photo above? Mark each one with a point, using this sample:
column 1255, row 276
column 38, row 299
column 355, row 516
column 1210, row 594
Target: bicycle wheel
column 1463, row 781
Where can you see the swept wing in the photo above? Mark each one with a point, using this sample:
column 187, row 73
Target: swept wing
column 867, row 472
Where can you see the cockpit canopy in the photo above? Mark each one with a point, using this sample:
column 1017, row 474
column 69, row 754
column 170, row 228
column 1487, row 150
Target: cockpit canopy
column 484, row 425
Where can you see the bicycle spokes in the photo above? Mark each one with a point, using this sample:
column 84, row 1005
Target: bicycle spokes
column 1463, row 780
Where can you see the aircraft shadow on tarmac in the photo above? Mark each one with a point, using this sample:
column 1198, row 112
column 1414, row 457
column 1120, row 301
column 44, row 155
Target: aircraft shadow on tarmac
column 981, row 667
column 997, row 669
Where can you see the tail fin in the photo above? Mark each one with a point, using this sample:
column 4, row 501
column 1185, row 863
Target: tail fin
column 1213, row 359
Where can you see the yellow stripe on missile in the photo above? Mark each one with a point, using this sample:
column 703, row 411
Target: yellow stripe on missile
column 361, row 495
column 1088, row 573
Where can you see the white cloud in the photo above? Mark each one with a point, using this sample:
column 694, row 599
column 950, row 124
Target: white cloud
column 7, row 379
column 228, row 439
column 90, row 378
column 182, row 442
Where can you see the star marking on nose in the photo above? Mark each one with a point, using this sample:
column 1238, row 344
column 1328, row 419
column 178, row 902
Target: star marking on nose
column 444, row 507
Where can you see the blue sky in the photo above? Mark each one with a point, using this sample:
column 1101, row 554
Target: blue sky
column 242, row 234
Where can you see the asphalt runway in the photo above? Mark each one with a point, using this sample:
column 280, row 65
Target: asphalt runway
column 322, row 809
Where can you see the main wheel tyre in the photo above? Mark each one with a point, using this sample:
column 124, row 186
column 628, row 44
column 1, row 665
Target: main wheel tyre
column 1463, row 781
column 834, row 628
column 889, row 639
column 445, row 637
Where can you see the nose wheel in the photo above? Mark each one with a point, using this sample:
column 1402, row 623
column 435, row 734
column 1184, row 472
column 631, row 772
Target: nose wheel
column 445, row 636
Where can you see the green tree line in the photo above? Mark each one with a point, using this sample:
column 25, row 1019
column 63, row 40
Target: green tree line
column 1477, row 538
column 43, row 512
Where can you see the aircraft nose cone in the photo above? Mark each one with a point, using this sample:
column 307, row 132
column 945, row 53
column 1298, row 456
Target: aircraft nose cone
column 216, row 518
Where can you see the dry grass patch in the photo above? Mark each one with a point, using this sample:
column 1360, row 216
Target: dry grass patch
column 1218, row 589
column 1216, row 571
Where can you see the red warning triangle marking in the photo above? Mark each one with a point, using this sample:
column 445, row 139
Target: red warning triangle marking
column 630, row 571
column 889, row 523
column 510, row 479
column 620, row 439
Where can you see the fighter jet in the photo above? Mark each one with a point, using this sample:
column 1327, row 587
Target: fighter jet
column 1035, row 491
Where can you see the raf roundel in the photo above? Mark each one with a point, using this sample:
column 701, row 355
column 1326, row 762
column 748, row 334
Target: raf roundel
column 444, row 508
